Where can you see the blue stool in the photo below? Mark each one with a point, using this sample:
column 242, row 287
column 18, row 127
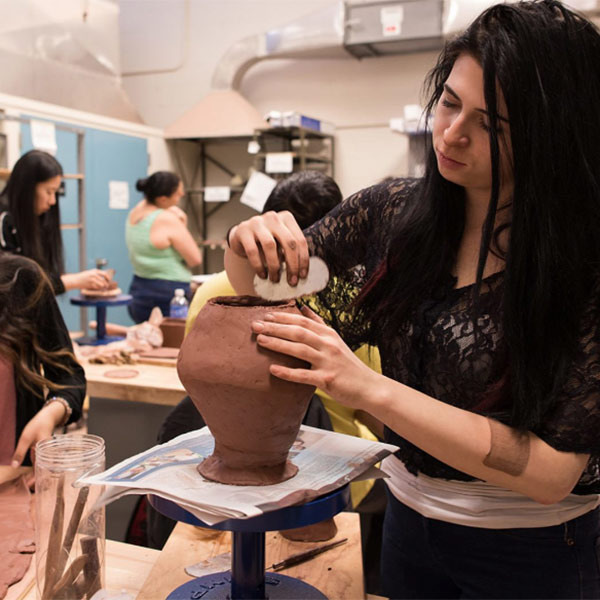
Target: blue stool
column 247, row 578
column 100, row 303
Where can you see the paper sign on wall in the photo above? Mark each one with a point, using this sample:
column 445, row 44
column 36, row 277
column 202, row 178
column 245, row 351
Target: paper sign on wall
column 118, row 195
column 217, row 193
column 279, row 162
column 257, row 190
column 43, row 136
column 391, row 20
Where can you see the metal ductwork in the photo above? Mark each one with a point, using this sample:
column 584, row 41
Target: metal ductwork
column 341, row 30
column 354, row 28
column 317, row 35
column 64, row 52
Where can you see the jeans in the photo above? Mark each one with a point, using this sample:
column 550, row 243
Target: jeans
column 428, row 558
column 148, row 293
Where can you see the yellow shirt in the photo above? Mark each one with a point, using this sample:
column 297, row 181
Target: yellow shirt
column 342, row 417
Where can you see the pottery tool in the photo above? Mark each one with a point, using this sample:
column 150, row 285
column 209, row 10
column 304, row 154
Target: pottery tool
column 315, row 281
column 300, row 557
column 221, row 562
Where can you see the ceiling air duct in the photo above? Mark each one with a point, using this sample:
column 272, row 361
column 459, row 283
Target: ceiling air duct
column 64, row 52
column 341, row 30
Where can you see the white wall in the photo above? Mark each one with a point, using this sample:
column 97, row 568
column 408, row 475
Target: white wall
column 359, row 97
column 170, row 50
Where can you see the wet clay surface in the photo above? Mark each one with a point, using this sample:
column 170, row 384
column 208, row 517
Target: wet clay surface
column 253, row 416
column 317, row 532
column 16, row 532
column 215, row 469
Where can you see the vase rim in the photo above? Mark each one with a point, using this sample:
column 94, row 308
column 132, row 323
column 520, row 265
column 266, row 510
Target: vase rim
column 249, row 302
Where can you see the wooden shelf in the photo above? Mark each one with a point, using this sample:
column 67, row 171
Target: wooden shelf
column 297, row 156
column 295, row 132
column 5, row 174
column 71, row 226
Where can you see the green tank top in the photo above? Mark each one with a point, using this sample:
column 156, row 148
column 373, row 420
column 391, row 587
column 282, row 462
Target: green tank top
column 147, row 260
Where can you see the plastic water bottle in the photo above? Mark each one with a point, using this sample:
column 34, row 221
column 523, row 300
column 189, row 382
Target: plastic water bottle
column 178, row 307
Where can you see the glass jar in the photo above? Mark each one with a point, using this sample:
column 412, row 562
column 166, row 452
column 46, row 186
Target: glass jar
column 70, row 530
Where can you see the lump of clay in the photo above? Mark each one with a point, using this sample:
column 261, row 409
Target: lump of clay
column 253, row 416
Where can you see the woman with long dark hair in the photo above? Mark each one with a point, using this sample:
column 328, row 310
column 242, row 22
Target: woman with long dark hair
column 480, row 285
column 42, row 386
column 161, row 248
column 30, row 221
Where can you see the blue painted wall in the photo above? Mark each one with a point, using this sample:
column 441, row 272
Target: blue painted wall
column 108, row 157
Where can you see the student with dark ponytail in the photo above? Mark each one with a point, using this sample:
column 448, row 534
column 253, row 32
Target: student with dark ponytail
column 30, row 221
column 161, row 248
column 480, row 285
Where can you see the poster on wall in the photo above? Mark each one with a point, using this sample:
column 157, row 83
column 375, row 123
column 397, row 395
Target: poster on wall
column 217, row 193
column 279, row 162
column 43, row 136
column 118, row 195
column 257, row 190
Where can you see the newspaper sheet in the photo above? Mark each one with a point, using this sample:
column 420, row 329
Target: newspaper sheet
column 325, row 460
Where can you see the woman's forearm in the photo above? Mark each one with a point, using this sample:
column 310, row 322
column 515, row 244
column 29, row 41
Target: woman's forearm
column 476, row 444
column 70, row 280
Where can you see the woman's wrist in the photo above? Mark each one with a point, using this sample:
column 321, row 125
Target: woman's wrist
column 66, row 409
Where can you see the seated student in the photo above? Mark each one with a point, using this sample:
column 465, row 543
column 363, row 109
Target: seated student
column 42, row 386
column 161, row 249
column 30, row 221
column 309, row 195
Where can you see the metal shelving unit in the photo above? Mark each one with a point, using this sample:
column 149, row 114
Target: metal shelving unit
column 310, row 149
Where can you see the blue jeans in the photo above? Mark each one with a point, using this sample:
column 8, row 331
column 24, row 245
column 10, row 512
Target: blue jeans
column 148, row 293
column 427, row 558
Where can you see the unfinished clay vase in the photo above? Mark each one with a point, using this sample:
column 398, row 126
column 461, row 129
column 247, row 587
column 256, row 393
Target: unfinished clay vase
column 253, row 416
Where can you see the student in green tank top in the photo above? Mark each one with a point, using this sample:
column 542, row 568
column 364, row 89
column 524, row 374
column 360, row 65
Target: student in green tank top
column 161, row 249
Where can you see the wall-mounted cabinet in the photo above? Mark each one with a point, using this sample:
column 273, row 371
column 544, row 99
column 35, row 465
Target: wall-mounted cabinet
column 205, row 163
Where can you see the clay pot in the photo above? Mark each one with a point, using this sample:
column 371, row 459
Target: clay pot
column 173, row 330
column 253, row 416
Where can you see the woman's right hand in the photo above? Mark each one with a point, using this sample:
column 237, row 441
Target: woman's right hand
column 269, row 239
column 92, row 279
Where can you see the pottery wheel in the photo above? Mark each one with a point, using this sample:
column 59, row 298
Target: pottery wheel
column 101, row 293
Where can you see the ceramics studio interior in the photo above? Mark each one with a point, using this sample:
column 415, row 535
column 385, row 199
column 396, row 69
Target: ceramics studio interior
column 299, row 299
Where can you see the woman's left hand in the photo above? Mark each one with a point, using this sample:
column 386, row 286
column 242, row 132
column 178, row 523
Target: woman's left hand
column 335, row 368
column 40, row 427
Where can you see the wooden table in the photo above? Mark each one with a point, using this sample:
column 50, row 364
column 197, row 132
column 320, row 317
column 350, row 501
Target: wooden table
column 127, row 567
column 155, row 384
column 128, row 414
column 337, row 573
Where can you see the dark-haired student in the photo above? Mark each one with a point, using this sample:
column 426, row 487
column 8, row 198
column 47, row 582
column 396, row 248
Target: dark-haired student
column 480, row 285
column 42, row 386
column 161, row 248
column 30, row 221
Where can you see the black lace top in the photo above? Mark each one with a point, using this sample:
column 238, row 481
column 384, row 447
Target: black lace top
column 435, row 351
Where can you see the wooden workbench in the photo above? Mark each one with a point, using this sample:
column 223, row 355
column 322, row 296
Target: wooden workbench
column 155, row 384
column 127, row 414
column 126, row 568
column 337, row 573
